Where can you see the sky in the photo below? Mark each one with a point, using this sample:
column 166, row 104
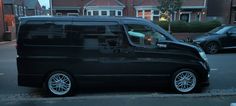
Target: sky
column 44, row 3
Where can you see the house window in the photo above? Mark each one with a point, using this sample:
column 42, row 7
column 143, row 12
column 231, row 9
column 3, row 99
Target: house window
column 140, row 13
column 112, row 13
column 21, row 11
column 119, row 13
column 185, row 17
column 104, row 13
column 198, row 17
column 89, row 13
column 235, row 16
column 149, row 14
column 58, row 14
column 156, row 15
column 95, row 13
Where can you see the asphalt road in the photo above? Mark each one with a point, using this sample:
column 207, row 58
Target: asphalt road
column 222, row 80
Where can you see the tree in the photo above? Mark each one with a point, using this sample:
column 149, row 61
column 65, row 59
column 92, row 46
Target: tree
column 168, row 8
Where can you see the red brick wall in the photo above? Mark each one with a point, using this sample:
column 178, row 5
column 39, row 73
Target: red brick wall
column 1, row 20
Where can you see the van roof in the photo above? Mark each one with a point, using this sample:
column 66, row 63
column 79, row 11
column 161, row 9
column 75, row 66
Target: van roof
column 81, row 18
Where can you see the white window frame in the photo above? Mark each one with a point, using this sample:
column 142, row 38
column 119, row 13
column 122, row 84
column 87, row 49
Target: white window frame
column 200, row 16
column 117, row 11
column 72, row 14
column 189, row 18
column 97, row 11
column 143, row 13
column 107, row 11
column 90, row 12
column 16, row 10
column 25, row 11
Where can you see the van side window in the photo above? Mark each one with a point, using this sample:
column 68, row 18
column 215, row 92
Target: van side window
column 95, row 35
column 41, row 33
column 142, row 35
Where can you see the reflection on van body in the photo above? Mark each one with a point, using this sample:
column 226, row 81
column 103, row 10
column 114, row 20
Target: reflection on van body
column 60, row 53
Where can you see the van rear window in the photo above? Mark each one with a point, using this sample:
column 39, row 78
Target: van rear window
column 68, row 33
column 44, row 33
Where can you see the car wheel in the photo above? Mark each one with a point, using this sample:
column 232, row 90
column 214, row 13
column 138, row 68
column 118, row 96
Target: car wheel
column 212, row 48
column 59, row 83
column 184, row 81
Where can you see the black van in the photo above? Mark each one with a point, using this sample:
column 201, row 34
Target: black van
column 60, row 53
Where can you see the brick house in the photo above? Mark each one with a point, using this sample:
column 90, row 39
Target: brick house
column 1, row 20
column 223, row 10
column 70, row 7
column 191, row 10
column 33, row 8
column 13, row 9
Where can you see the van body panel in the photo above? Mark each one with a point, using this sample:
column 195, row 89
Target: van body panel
column 99, row 49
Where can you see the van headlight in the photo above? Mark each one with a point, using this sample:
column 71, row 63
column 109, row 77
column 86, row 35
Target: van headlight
column 203, row 55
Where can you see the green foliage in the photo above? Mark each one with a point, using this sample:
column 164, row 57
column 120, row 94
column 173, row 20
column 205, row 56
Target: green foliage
column 192, row 27
column 163, row 24
column 179, row 26
column 169, row 5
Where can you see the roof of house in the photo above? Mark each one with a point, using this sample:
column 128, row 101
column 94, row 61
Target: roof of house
column 145, row 2
column 185, row 3
column 80, row 3
column 234, row 3
column 66, row 3
column 8, row 1
column 104, row 3
column 194, row 3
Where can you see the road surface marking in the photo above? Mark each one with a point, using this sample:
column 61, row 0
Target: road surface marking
column 214, row 69
column 1, row 74
column 233, row 104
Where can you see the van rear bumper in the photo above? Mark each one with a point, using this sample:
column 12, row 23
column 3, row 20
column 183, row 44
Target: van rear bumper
column 30, row 80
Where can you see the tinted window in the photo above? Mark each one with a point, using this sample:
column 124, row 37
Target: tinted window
column 96, row 34
column 45, row 33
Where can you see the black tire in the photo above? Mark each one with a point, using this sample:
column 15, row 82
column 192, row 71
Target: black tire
column 59, row 84
column 179, row 84
column 212, row 48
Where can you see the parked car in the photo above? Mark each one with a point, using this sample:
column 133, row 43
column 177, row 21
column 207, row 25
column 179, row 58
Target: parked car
column 59, row 53
column 223, row 37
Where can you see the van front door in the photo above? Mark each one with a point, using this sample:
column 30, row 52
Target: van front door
column 146, row 59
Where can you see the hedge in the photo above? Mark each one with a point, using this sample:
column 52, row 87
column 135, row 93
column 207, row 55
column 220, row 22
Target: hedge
column 192, row 27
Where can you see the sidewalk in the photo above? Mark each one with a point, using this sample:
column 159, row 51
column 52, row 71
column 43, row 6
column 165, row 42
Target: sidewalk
column 7, row 42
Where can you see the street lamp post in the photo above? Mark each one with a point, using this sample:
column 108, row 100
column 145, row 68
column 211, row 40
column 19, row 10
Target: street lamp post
column 230, row 11
column 51, row 8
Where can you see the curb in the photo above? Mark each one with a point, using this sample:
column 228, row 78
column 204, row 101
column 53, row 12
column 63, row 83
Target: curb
column 30, row 97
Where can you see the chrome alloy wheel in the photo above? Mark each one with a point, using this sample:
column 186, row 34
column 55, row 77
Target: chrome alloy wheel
column 59, row 84
column 185, row 81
